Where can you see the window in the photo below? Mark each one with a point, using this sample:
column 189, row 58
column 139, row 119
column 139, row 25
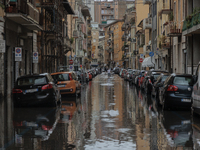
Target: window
column 61, row 77
column 32, row 81
column 183, row 80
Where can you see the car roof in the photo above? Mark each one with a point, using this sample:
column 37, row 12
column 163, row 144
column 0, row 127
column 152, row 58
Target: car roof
column 32, row 75
column 181, row 74
column 67, row 72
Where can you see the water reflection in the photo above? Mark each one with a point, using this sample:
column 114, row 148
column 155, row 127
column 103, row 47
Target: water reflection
column 110, row 114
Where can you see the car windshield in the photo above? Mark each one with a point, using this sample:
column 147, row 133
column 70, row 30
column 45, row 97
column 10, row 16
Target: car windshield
column 156, row 76
column 61, row 77
column 183, row 80
column 32, row 81
column 164, row 78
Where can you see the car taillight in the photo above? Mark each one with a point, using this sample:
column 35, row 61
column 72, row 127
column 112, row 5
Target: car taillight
column 17, row 124
column 70, row 77
column 48, row 86
column 46, row 128
column 172, row 88
column 16, row 91
column 150, row 81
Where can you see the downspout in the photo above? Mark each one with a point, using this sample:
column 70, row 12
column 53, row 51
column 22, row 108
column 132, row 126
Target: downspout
column 170, row 50
column 192, row 49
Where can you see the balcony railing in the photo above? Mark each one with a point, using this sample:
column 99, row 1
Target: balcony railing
column 146, row 2
column 24, row 7
column 131, row 10
column 147, row 23
column 75, row 34
column 124, row 27
column 166, row 45
column 172, row 30
column 191, row 24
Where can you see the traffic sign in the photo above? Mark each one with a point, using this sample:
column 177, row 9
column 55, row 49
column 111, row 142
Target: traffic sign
column 18, row 54
column 71, row 62
column 71, row 67
column 142, row 56
column 141, row 60
column 35, row 57
column 151, row 54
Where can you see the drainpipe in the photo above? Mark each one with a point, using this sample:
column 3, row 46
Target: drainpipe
column 192, row 48
column 170, row 50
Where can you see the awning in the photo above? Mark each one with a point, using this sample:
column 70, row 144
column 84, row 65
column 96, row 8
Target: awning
column 148, row 62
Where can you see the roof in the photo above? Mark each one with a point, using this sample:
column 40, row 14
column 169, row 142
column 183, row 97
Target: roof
column 32, row 75
column 120, row 20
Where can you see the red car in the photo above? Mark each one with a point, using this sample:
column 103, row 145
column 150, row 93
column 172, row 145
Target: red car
column 142, row 78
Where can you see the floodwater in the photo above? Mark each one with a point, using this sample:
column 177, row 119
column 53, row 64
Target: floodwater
column 110, row 114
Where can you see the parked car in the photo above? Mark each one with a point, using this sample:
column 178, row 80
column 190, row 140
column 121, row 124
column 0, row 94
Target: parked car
column 142, row 77
column 36, row 89
column 150, row 79
column 159, row 83
column 123, row 73
column 127, row 75
column 67, row 82
column 116, row 70
column 196, row 93
column 176, row 91
column 131, row 76
column 134, row 76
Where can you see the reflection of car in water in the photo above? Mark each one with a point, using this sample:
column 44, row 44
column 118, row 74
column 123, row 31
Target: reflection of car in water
column 196, row 131
column 178, row 127
column 67, row 111
column 30, row 123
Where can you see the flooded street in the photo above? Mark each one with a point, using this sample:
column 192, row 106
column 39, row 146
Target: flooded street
column 110, row 114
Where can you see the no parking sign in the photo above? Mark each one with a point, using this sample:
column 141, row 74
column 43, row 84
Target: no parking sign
column 18, row 54
column 35, row 57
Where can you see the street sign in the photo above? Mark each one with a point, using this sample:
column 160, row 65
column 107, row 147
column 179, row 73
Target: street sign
column 35, row 57
column 81, row 66
column 141, row 60
column 142, row 56
column 74, row 56
column 71, row 62
column 18, row 54
column 70, row 57
column 71, row 68
column 151, row 54
column 2, row 46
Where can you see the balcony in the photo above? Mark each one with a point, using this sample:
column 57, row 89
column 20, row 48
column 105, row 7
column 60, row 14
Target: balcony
column 124, row 27
column 124, row 37
column 24, row 13
column 147, row 23
column 79, row 53
column 146, row 2
column 165, row 9
column 131, row 10
column 75, row 34
column 172, row 30
column 166, row 45
column 191, row 25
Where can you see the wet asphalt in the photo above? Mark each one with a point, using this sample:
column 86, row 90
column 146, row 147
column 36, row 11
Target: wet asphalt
column 110, row 114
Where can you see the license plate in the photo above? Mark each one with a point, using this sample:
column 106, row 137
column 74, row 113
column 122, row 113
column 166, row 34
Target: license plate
column 185, row 122
column 31, row 90
column 185, row 100
column 31, row 124
column 61, row 85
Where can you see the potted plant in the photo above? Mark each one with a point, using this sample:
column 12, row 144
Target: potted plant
column 71, row 40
